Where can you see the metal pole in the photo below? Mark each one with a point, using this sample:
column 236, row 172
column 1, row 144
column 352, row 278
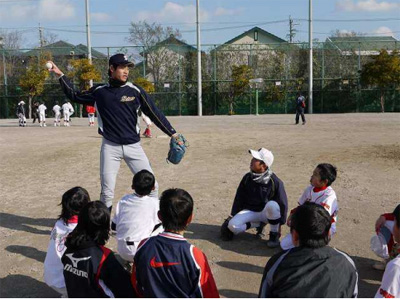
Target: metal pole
column 256, row 101
column 199, row 88
column 89, row 44
column 5, row 83
column 310, row 60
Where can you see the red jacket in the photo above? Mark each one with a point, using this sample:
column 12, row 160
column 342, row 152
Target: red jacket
column 90, row 109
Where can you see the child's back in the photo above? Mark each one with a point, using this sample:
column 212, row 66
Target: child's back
column 167, row 266
column 135, row 218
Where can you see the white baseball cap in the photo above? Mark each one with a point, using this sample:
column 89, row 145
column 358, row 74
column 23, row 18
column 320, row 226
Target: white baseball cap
column 21, row 103
column 264, row 155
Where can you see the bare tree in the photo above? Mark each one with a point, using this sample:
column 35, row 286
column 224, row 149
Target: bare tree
column 12, row 41
column 157, row 43
column 50, row 38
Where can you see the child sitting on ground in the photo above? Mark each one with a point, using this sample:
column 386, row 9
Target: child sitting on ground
column 383, row 243
column 71, row 204
column 136, row 215
column 390, row 286
column 167, row 266
column 90, row 269
column 319, row 192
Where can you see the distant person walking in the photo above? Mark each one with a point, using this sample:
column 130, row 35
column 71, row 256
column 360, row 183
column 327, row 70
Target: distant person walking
column 300, row 105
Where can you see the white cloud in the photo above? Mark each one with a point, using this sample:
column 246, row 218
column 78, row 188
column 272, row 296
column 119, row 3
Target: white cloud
column 366, row 5
column 54, row 10
column 220, row 11
column 100, row 16
column 17, row 12
column 384, row 31
column 173, row 13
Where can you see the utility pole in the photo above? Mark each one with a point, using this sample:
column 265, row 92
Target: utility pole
column 199, row 88
column 292, row 31
column 89, row 44
column 41, row 41
column 310, row 60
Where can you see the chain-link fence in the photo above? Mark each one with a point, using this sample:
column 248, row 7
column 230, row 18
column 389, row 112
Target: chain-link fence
column 172, row 68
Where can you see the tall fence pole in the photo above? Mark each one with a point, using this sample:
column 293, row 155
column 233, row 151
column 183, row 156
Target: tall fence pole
column 310, row 60
column 199, row 87
column 89, row 44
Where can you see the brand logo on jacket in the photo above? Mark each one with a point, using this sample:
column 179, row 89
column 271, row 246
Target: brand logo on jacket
column 155, row 264
column 127, row 99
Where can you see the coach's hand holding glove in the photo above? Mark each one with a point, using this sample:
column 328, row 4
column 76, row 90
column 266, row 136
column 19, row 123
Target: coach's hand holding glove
column 177, row 148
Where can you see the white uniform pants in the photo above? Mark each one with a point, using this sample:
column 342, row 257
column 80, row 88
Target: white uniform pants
column 111, row 155
column 42, row 117
column 238, row 223
column 21, row 119
column 66, row 116
column 91, row 117
column 57, row 118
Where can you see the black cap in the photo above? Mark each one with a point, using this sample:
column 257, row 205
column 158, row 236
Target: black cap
column 120, row 59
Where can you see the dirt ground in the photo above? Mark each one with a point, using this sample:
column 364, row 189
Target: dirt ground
column 39, row 164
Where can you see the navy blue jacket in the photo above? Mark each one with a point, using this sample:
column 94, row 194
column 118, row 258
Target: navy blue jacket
column 117, row 110
column 167, row 266
column 254, row 196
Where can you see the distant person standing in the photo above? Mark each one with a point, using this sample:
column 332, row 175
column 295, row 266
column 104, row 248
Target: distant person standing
column 42, row 114
column 300, row 105
column 66, row 112
column 35, row 112
column 21, row 114
column 57, row 114
column 91, row 110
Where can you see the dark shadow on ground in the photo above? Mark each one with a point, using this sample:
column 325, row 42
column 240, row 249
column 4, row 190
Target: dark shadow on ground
column 24, row 286
column 366, row 288
column 237, row 294
column 22, row 223
column 245, row 243
column 28, row 251
column 239, row 266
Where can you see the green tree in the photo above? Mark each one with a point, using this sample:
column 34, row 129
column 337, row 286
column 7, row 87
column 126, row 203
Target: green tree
column 82, row 72
column 241, row 75
column 32, row 82
column 145, row 84
column 383, row 72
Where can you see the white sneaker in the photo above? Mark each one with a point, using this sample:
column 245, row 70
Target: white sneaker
column 380, row 265
column 44, row 125
column 55, row 124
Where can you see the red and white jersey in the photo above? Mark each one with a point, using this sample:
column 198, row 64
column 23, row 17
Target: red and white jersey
column 42, row 108
column 56, row 109
column 390, row 287
column 53, row 267
column 326, row 198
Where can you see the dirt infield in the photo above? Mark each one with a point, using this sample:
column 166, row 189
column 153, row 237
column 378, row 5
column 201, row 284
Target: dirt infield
column 39, row 164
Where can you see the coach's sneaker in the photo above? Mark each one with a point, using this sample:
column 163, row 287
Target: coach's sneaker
column 273, row 241
column 226, row 233
column 260, row 231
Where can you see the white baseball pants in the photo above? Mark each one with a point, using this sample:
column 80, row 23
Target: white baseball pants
column 238, row 223
column 91, row 117
column 42, row 117
column 111, row 155
column 66, row 116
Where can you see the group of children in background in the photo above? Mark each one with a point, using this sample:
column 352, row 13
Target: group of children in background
column 149, row 233
column 39, row 112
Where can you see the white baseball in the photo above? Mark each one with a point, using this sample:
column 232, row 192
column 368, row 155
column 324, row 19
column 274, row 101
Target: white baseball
column 49, row 65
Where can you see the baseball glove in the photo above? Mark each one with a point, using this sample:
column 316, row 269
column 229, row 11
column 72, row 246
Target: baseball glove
column 226, row 234
column 177, row 149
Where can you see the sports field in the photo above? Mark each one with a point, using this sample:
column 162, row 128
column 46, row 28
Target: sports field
column 39, row 164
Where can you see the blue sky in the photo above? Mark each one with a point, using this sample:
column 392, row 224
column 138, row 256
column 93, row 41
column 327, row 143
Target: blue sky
column 221, row 19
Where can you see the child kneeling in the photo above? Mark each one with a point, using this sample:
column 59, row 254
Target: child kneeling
column 136, row 215
column 321, row 193
column 167, row 266
column 90, row 269
column 72, row 203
